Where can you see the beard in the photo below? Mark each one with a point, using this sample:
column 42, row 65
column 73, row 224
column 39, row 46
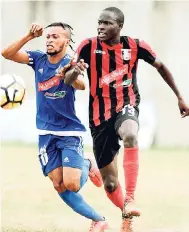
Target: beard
column 53, row 53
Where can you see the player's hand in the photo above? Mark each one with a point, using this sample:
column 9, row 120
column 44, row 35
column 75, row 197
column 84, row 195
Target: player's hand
column 80, row 67
column 36, row 30
column 62, row 71
column 184, row 109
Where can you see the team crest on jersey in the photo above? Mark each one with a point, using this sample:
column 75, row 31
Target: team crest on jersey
column 58, row 69
column 126, row 54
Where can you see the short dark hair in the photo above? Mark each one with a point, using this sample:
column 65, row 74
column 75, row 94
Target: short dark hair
column 64, row 26
column 117, row 12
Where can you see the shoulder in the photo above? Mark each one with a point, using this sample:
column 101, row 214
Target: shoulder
column 88, row 41
column 130, row 40
column 66, row 59
column 36, row 53
column 84, row 43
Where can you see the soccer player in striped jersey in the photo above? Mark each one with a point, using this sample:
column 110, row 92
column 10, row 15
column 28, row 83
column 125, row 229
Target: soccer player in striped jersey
column 114, row 102
column 60, row 130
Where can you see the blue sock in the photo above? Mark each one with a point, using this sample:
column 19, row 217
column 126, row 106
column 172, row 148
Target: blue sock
column 77, row 203
column 85, row 172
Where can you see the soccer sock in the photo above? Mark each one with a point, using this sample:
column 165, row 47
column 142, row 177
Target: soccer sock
column 85, row 172
column 131, row 166
column 117, row 197
column 77, row 203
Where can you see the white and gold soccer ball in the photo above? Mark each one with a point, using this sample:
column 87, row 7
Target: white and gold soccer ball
column 12, row 91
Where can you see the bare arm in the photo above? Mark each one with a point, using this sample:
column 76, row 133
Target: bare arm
column 168, row 78
column 75, row 72
column 12, row 52
column 79, row 83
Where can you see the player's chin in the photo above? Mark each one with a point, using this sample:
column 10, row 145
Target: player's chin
column 103, row 38
column 51, row 53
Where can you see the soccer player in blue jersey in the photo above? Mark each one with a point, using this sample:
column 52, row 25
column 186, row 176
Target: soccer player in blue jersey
column 60, row 130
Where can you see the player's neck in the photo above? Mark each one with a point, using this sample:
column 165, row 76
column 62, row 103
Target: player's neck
column 113, row 42
column 56, row 58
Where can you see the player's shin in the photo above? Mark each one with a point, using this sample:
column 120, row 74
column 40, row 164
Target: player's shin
column 131, row 166
column 116, row 197
column 77, row 203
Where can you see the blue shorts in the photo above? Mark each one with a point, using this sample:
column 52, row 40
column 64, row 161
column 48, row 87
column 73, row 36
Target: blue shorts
column 60, row 151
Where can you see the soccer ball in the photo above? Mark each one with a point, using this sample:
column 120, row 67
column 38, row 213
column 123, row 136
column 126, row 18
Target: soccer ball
column 12, row 91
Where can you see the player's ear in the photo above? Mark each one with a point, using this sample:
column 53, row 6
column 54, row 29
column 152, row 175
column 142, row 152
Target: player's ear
column 67, row 42
column 121, row 26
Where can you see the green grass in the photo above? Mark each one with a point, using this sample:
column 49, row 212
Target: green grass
column 30, row 204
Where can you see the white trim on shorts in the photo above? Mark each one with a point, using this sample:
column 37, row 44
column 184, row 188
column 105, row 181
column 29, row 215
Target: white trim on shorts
column 61, row 133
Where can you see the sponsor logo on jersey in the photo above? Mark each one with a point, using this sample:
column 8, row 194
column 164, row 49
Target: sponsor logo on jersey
column 115, row 75
column 54, row 81
column 58, row 94
column 99, row 52
column 125, row 83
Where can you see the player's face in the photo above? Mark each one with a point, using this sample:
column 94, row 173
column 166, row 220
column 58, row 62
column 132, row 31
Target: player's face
column 56, row 40
column 108, row 28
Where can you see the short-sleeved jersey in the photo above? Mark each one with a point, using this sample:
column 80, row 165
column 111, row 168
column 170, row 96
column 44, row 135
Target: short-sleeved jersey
column 112, row 74
column 54, row 99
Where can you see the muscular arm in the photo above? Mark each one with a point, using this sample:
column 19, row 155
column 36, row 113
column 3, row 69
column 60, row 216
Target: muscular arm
column 75, row 71
column 146, row 53
column 79, row 83
column 12, row 52
column 167, row 76
column 71, row 76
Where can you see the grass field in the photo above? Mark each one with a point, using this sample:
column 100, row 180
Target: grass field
column 30, row 204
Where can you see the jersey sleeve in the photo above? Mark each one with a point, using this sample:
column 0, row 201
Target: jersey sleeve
column 145, row 52
column 34, row 57
column 82, row 52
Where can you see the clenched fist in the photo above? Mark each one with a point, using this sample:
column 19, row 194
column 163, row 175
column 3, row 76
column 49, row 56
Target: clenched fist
column 36, row 30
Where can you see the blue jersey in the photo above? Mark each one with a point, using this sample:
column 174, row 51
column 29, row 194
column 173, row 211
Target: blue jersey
column 54, row 99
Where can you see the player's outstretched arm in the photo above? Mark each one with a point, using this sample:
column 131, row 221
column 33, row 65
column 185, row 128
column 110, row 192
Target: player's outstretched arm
column 75, row 71
column 168, row 78
column 12, row 52
column 79, row 83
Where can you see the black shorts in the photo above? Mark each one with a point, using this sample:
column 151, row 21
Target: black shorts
column 105, row 137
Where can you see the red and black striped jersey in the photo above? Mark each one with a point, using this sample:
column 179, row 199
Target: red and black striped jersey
column 112, row 74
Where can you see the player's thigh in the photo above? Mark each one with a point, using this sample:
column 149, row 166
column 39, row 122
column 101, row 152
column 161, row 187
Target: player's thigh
column 72, row 178
column 127, row 123
column 105, row 143
column 49, row 156
column 72, row 161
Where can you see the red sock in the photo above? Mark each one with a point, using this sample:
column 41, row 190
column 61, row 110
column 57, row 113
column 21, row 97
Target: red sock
column 117, row 197
column 130, row 165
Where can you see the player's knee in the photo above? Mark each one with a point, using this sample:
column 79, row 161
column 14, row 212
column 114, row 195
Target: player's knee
column 73, row 186
column 59, row 187
column 130, row 140
column 110, row 185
